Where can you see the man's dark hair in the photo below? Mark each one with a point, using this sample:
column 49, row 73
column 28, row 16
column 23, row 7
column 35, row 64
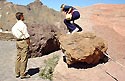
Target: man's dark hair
column 62, row 5
column 18, row 15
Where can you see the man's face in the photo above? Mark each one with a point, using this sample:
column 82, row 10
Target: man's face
column 22, row 18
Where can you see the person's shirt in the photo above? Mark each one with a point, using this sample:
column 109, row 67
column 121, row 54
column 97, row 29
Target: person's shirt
column 19, row 30
column 66, row 8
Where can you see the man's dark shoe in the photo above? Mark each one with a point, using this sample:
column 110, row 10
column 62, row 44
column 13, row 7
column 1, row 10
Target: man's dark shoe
column 17, row 76
column 24, row 77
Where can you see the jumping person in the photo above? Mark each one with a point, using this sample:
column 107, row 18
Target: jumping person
column 74, row 16
column 19, row 30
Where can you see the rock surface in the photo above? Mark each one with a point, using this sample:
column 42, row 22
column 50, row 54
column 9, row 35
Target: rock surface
column 103, row 19
column 43, row 39
column 109, row 71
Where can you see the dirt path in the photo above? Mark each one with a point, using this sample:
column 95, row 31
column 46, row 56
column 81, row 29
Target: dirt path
column 7, row 63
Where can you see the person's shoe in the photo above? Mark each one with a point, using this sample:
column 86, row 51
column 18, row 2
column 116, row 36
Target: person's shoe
column 26, row 76
column 75, row 30
column 68, row 33
column 17, row 76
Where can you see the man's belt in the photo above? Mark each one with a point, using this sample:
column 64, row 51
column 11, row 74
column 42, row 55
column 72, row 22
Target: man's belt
column 22, row 39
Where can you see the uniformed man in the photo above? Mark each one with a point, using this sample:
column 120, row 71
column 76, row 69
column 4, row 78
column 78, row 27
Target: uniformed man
column 19, row 30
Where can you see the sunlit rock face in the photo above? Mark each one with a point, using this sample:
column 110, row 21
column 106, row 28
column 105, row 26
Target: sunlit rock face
column 83, row 47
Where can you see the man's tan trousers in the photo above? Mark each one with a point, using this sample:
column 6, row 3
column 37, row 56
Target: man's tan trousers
column 22, row 57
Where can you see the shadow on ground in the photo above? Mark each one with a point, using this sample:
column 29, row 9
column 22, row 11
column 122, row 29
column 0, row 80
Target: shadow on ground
column 84, row 65
column 33, row 71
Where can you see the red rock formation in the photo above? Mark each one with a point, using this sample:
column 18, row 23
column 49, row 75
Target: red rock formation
column 107, row 21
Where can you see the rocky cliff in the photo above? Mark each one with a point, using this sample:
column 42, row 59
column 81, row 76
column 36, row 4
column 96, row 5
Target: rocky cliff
column 35, row 13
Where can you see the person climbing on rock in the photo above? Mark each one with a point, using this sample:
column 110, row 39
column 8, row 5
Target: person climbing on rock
column 72, row 14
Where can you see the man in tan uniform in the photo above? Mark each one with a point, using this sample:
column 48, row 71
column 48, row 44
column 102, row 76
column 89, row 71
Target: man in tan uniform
column 19, row 30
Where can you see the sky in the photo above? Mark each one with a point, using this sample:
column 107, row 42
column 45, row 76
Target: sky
column 55, row 4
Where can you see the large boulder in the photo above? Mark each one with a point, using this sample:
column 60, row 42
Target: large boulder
column 83, row 47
